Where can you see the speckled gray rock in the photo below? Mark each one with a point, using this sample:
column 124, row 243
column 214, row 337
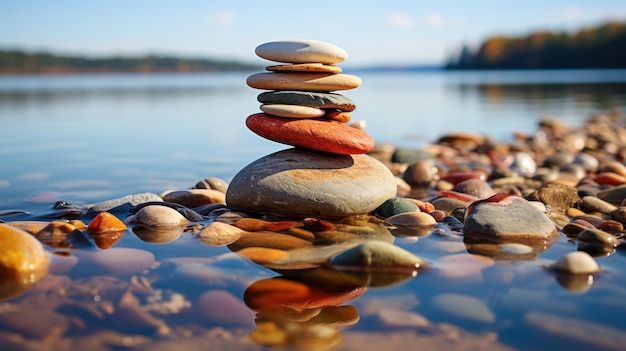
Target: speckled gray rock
column 511, row 218
column 123, row 204
column 299, row 182
column 308, row 98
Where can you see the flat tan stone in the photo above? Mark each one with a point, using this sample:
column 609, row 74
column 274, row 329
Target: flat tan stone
column 291, row 111
column 322, row 82
column 301, row 51
column 305, row 67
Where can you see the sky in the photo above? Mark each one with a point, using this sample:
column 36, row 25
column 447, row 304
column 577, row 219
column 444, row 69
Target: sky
column 382, row 32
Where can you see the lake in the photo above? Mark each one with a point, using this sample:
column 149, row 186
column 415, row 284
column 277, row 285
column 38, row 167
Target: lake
column 89, row 138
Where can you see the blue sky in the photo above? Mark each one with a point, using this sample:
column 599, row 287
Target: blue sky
column 372, row 32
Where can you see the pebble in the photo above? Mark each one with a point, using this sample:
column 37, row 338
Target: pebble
column 597, row 237
column 376, row 255
column 395, row 206
column 593, row 204
column 464, row 306
column 212, row 183
column 23, row 261
column 615, row 195
column 155, row 215
column 577, row 262
column 321, row 135
column 336, row 185
column 510, row 218
column 316, row 82
column 416, row 219
column 105, row 222
column 291, row 111
column 301, row 51
column 123, row 204
column 308, row 98
column 475, row 187
column 194, row 197
column 269, row 240
column 420, row 173
column 219, row 233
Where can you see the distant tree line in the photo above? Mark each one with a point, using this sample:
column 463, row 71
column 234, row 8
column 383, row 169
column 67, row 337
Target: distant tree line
column 599, row 47
column 20, row 62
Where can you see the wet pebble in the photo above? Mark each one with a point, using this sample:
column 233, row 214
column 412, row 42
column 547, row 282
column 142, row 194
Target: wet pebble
column 123, row 204
column 195, row 197
column 594, row 204
column 577, row 262
column 420, row 173
column 23, row 261
column 419, row 219
column 395, row 206
column 508, row 218
column 475, row 187
column 597, row 237
column 154, row 215
column 615, row 195
column 219, row 233
column 213, row 183
column 105, row 222
column 376, row 255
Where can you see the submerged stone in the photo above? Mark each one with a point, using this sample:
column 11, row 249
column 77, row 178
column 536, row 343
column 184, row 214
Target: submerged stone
column 296, row 182
column 23, row 261
column 376, row 255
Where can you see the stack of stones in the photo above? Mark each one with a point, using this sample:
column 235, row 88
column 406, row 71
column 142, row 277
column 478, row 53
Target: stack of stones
column 328, row 173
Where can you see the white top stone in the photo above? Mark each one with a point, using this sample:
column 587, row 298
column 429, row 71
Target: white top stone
column 301, row 51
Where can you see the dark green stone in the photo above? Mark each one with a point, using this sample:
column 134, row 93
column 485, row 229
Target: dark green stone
column 306, row 98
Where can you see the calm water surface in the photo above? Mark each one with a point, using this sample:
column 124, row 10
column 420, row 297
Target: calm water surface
column 85, row 139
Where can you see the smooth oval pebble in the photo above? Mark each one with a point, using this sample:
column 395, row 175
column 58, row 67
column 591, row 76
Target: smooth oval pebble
column 219, row 233
column 411, row 219
column 23, row 261
column 155, row 215
column 376, row 255
column 291, row 111
column 304, row 67
column 594, row 236
column 300, row 182
column 577, row 262
column 395, row 206
column 321, row 135
column 301, row 51
column 212, row 183
column 308, row 98
column 194, row 197
column 321, row 82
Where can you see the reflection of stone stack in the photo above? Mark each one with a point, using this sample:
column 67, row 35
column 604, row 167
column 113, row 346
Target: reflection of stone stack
column 301, row 110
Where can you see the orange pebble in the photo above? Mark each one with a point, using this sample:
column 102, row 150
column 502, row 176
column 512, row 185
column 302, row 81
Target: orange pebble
column 105, row 222
column 609, row 178
column 257, row 225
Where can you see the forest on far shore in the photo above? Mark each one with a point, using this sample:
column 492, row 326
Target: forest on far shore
column 20, row 62
column 603, row 46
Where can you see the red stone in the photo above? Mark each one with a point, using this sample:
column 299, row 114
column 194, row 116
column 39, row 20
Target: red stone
column 458, row 177
column 316, row 134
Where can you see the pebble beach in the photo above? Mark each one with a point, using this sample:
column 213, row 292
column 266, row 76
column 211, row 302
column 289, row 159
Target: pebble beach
column 304, row 240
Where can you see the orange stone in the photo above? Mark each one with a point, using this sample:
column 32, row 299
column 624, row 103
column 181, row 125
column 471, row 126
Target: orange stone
column 609, row 178
column 105, row 222
column 317, row 134
column 255, row 225
column 262, row 255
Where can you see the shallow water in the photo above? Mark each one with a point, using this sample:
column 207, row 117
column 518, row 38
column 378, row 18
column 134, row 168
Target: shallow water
column 85, row 139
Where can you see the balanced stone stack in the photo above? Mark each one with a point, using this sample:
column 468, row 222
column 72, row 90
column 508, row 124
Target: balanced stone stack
column 328, row 173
